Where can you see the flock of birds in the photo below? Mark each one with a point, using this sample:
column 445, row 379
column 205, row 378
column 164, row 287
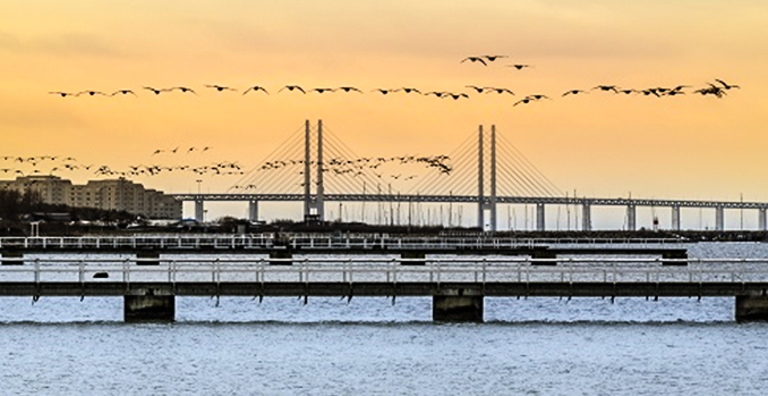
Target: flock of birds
column 718, row 89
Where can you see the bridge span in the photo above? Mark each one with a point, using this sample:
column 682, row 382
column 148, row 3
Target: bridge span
column 585, row 204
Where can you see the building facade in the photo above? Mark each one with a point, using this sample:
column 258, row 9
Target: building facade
column 114, row 194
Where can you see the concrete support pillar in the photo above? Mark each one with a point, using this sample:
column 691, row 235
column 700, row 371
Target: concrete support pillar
column 751, row 309
column 761, row 220
column 13, row 258
column 631, row 217
column 457, row 307
column 541, row 223
column 199, row 210
column 147, row 258
column 149, row 308
column 415, row 258
column 253, row 210
column 676, row 218
column 586, row 221
column 282, row 257
column 719, row 218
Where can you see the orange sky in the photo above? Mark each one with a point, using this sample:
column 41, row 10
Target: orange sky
column 601, row 144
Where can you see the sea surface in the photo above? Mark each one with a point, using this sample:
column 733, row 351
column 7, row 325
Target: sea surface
column 370, row 346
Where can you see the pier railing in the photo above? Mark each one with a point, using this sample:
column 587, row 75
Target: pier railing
column 270, row 241
column 384, row 270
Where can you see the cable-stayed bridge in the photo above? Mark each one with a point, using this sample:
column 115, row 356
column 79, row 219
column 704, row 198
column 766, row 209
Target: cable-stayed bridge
column 315, row 167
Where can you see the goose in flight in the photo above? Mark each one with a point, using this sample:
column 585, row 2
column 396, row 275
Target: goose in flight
column 519, row 66
column 499, row 90
column 383, row 91
column 492, row 58
column 124, row 92
column 220, row 88
column 183, row 89
column 91, row 93
column 155, row 90
column 474, row 59
column 613, row 88
column 456, row 96
column 322, row 90
column 62, row 94
column 348, row 89
column 575, row 92
column 256, row 88
column 292, row 87
column 726, row 86
column 408, row 90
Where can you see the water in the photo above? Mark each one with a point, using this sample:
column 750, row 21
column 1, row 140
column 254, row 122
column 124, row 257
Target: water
column 542, row 346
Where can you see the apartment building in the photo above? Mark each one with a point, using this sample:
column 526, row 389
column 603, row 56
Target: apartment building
column 117, row 194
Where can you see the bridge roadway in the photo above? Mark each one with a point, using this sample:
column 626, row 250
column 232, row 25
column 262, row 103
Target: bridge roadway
column 240, row 197
column 457, row 285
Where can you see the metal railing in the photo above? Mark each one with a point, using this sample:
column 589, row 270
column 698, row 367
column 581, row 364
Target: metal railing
column 269, row 241
column 383, row 270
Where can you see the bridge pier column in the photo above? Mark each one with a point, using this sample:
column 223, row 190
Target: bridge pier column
column 675, row 218
column 253, row 210
column 761, row 220
column 540, row 217
column 631, row 217
column 199, row 210
column 13, row 258
column 751, row 309
column 586, row 221
column 146, row 305
column 719, row 218
column 457, row 305
column 414, row 258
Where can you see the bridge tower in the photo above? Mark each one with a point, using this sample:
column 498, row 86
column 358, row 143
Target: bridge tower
column 484, row 203
column 316, row 202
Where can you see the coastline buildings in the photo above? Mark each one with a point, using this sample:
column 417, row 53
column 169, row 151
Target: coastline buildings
column 114, row 194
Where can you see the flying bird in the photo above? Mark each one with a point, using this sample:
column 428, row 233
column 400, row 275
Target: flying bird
column 292, row 87
column 456, row 96
column 348, row 89
column 91, row 93
column 478, row 89
column 155, row 90
column 499, row 90
column 408, row 90
column 492, row 58
column 220, row 87
column 321, row 90
column 575, row 92
column 256, row 88
column 124, row 92
column 183, row 89
column 725, row 85
column 383, row 91
column 519, row 66
column 474, row 59
column 607, row 88
column 62, row 94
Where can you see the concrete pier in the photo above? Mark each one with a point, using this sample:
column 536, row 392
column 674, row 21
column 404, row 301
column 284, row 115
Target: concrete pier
column 541, row 221
column 253, row 210
column 458, row 307
column 752, row 308
column 148, row 307
column 199, row 210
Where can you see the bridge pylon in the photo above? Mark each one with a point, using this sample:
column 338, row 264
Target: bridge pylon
column 488, row 203
column 316, row 202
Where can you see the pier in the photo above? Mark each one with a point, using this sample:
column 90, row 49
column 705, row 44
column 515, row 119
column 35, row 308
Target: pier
column 457, row 285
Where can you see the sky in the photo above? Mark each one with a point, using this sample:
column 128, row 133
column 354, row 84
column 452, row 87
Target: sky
column 601, row 144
